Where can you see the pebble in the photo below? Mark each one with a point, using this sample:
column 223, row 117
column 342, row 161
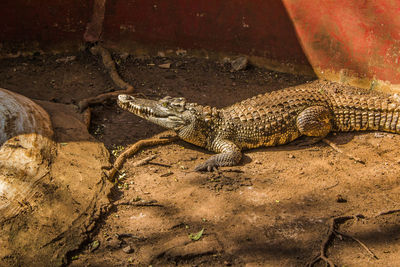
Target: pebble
column 127, row 249
column 66, row 59
column 239, row 64
column 340, row 199
column 181, row 52
column 165, row 66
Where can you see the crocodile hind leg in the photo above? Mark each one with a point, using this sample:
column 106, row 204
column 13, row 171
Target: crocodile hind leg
column 229, row 155
column 314, row 122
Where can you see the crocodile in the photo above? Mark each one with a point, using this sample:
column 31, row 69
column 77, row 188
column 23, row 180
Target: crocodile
column 275, row 118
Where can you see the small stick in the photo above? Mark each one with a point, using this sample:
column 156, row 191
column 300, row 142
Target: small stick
column 160, row 164
column 337, row 149
column 143, row 161
column 156, row 140
column 359, row 242
column 332, row 186
column 112, row 70
column 333, row 231
column 328, row 239
column 387, row 212
column 234, row 170
column 149, row 203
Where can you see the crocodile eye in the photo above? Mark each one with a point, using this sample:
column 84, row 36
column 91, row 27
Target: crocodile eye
column 176, row 104
column 165, row 104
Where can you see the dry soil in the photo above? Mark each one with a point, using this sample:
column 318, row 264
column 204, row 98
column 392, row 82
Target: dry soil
column 273, row 209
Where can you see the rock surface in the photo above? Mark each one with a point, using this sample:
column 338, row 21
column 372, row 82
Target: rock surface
column 52, row 188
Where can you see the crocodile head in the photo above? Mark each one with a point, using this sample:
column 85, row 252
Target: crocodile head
column 168, row 112
column 191, row 121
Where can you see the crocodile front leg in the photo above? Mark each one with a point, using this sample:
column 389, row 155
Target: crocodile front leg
column 315, row 122
column 229, row 155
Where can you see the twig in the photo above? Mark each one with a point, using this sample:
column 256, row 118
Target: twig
column 156, row 140
column 332, row 186
column 142, row 203
column 233, row 170
column 143, row 161
column 337, row 149
column 334, row 232
column 110, row 67
column 359, row 242
column 326, row 242
column 387, row 212
column 160, row 164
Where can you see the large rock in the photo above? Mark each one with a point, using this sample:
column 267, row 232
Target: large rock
column 52, row 185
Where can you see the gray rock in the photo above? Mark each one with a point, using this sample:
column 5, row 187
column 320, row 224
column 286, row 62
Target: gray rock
column 239, row 64
column 127, row 249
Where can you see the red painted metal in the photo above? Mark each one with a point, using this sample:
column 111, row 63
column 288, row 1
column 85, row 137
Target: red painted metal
column 359, row 38
column 257, row 27
column 362, row 37
column 45, row 22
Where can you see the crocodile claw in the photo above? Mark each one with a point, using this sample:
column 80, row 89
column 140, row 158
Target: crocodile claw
column 207, row 166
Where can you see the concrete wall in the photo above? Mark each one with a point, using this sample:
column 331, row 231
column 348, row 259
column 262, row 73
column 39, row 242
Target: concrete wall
column 355, row 42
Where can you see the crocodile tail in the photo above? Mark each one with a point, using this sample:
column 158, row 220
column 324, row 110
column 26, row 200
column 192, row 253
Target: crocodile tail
column 358, row 113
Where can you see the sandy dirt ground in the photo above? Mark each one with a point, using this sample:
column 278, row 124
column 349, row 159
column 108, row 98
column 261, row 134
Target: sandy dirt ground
column 274, row 209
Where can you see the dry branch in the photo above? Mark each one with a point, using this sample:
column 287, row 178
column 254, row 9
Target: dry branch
column 162, row 138
column 334, row 232
column 387, row 212
column 109, row 64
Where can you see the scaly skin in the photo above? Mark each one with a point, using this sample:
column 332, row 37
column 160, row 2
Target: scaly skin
column 275, row 118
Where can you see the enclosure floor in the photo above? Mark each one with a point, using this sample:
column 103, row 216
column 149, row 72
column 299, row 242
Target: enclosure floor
column 271, row 210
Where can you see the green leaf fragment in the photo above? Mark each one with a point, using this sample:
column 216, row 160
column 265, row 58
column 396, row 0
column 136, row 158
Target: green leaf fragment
column 94, row 245
column 196, row 236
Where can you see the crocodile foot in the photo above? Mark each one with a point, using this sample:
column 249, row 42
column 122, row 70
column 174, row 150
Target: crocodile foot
column 209, row 166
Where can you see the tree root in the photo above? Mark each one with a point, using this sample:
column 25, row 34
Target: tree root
column 337, row 149
column 99, row 50
column 387, row 212
column 334, row 232
column 86, row 115
column 162, row 138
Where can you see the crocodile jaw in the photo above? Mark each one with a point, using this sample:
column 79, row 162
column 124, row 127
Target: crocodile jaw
column 157, row 112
